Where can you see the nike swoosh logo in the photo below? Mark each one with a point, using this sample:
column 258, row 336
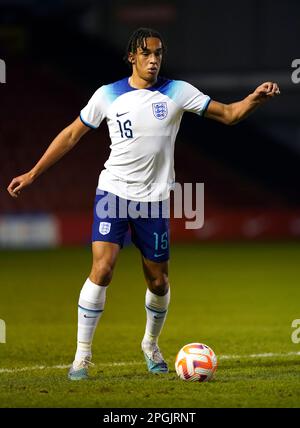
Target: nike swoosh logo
column 121, row 114
column 85, row 316
column 159, row 255
column 159, row 318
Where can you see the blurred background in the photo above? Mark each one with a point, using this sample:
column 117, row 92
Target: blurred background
column 57, row 53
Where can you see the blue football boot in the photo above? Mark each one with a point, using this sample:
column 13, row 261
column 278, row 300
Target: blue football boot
column 79, row 369
column 154, row 359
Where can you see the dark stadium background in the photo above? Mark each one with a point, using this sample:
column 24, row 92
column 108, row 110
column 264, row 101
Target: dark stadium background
column 57, row 53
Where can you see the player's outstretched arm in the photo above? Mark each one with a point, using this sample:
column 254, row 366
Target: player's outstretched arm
column 230, row 114
column 61, row 145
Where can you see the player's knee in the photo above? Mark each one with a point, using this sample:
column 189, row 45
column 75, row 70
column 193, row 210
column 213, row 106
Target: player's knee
column 159, row 285
column 102, row 273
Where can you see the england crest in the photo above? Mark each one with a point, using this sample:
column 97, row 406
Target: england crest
column 160, row 110
column 104, row 228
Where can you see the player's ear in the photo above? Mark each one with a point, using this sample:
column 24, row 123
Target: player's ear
column 131, row 58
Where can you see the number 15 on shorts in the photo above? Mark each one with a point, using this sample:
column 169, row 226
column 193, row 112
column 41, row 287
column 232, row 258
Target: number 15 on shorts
column 161, row 243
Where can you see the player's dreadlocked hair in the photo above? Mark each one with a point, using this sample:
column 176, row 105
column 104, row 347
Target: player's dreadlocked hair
column 138, row 40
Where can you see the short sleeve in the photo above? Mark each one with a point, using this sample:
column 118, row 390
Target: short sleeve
column 95, row 110
column 191, row 99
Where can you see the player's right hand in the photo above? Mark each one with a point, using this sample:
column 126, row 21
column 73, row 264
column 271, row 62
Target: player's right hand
column 18, row 183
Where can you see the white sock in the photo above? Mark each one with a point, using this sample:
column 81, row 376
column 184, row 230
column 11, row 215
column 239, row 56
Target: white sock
column 156, row 309
column 90, row 308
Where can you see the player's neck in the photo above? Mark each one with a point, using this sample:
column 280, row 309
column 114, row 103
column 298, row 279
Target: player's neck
column 138, row 83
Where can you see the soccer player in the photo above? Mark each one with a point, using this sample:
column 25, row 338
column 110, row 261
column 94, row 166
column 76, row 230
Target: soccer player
column 143, row 113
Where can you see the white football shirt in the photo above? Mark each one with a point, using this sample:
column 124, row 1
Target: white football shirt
column 143, row 124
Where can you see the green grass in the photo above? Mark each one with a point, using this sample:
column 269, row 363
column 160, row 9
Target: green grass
column 240, row 299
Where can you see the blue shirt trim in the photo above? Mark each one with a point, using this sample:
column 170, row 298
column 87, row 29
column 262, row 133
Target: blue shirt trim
column 116, row 89
column 202, row 112
column 86, row 123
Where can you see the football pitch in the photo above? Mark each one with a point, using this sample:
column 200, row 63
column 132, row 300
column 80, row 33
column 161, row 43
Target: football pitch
column 240, row 299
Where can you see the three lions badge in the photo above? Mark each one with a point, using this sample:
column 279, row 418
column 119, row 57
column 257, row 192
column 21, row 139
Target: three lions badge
column 104, row 228
column 160, row 110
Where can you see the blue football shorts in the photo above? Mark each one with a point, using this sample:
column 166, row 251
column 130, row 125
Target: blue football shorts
column 149, row 223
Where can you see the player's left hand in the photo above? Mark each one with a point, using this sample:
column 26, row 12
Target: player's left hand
column 266, row 91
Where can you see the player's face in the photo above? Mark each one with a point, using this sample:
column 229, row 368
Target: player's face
column 146, row 61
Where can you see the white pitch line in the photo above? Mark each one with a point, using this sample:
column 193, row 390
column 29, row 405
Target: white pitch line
column 66, row 366
column 136, row 363
column 32, row 368
column 266, row 355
